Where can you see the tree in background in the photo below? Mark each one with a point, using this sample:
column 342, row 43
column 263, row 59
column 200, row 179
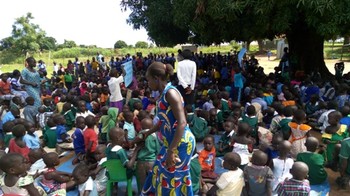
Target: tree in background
column 306, row 24
column 141, row 44
column 68, row 44
column 120, row 44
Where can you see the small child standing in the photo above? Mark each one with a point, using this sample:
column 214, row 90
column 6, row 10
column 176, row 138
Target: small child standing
column 258, row 177
column 225, row 140
column 30, row 111
column 78, row 139
column 232, row 181
column 317, row 174
column 298, row 185
column 15, row 181
column 299, row 133
column 148, row 154
column 68, row 115
column 90, row 138
column 100, row 172
column 129, row 126
column 282, row 164
column 17, row 144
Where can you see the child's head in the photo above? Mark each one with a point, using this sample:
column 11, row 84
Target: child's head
column 276, row 140
column 142, row 114
column 259, row 158
column 59, row 119
column 232, row 161
column 311, row 144
column 66, row 107
column 228, row 126
column 41, row 109
column 217, row 103
column 288, row 96
column 7, row 127
column 334, row 118
column 243, row 129
column 80, row 122
column 35, row 154
column 208, row 142
column 51, row 159
column 345, row 111
column 81, row 106
column 126, row 108
column 17, row 100
column 251, row 110
column 299, row 116
column 116, row 136
column 128, row 116
column 299, row 170
column 90, row 121
column 189, row 108
column 284, row 148
column 50, row 122
column 104, row 110
column 29, row 127
column 288, row 111
column 81, row 173
column 270, row 111
column 47, row 102
column 19, row 131
column 30, row 101
column 146, row 123
column 63, row 98
column 138, row 105
column 14, row 164
column 15, row 112
column 100, row 152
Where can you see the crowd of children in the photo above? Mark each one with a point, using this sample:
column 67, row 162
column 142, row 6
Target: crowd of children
column 260, row 124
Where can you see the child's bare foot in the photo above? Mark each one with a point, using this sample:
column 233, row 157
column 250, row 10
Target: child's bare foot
column 75, row 161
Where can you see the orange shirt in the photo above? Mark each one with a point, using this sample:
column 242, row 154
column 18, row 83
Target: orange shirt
column 207, row 159
column 287, row 103
column 6, row 87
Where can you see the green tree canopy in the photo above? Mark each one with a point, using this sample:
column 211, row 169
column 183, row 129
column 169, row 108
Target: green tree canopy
column 306, row 24
column 141, row 44
column 120, row 44
column 67, row 44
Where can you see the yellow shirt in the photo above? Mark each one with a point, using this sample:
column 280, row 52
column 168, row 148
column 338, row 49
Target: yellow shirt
column 230, row 183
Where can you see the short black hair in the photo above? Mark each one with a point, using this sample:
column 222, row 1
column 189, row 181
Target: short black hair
column 9, row 160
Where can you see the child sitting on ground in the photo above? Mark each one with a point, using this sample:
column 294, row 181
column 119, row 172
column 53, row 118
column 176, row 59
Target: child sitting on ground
column 86, row 185
column 17, row 144
column 50, row 135
column 31, row 138
column 299, row 133
column 283, row 125
column 90, row 139
column 232, row 181
column 36, row 160
column 30, row 111
column 242, row 144
column 334, row 134
column 7, row 132
column 78, row 139
column 317, row 174
column 207, row 160
column 16, row 181
column 198, row 125
column 298, row 185
column 252, row 120
column 147, row 155
column 61, row 131
column 225, row 140
column 54, row 182
column 82, row 111
column 282, row 164
column 68, row 115
column 258, row 176
column 42, row 117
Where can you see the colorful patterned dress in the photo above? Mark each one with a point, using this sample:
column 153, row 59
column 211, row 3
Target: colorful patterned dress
column 32, row 91
column 176, row 180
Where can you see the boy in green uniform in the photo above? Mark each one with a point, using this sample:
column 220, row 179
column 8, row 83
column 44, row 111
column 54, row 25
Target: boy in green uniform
column 50, row 135
column 317, row 174
column 286, row 119
column 252, row 120
column 344, row 156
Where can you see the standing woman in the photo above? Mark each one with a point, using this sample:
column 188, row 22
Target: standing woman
column 171, row 172
column 31, row 79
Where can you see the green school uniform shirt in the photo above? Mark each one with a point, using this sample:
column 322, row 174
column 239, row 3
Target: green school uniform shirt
column 74, row 111
column 195, row 174
column 117, row 152
column 68, row 78
column 131, row 103
column 317, row 173
column 7, row 138
column 252, row 122
column 103, row 121
column 345, row 152
column 70, row 119
column 150, row 150
column 50, row 137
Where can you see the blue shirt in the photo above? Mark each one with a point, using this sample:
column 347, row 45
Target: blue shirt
column 78, row 141
column 32, row 141
column 60, row 130
column 8, row 117
column 345, row 121
column 260, row 101
column 238, row 80
column 131, row 130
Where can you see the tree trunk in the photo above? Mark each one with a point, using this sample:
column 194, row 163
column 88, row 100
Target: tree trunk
column 306, row 49
column 346, row 39
column 261, row 46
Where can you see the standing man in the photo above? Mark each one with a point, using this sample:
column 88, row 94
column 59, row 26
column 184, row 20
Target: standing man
column 186, row 74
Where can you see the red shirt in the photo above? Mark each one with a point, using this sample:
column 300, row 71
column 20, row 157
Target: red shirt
column 90, row 135
column 13, row 147
column 207, row 159
column 137, row 125
column 5, row 87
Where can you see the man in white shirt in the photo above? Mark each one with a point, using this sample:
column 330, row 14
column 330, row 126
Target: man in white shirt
column 186, row 74
column 116, row 98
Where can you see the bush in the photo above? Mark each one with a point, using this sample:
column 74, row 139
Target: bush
column 77, row 51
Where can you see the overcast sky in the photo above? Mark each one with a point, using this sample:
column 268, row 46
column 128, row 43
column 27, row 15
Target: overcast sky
column 88, row 22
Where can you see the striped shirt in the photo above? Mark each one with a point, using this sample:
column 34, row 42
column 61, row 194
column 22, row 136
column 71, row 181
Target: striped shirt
column 293, row 187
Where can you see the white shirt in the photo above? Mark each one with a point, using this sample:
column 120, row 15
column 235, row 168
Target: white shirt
column 324, row 120
column 230, row 183
column 186, row 73
column 89, row 185
column 114, row 88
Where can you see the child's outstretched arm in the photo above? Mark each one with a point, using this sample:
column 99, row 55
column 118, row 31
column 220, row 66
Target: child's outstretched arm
column 32, row 190
column 58, row 177
column 130, row 164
